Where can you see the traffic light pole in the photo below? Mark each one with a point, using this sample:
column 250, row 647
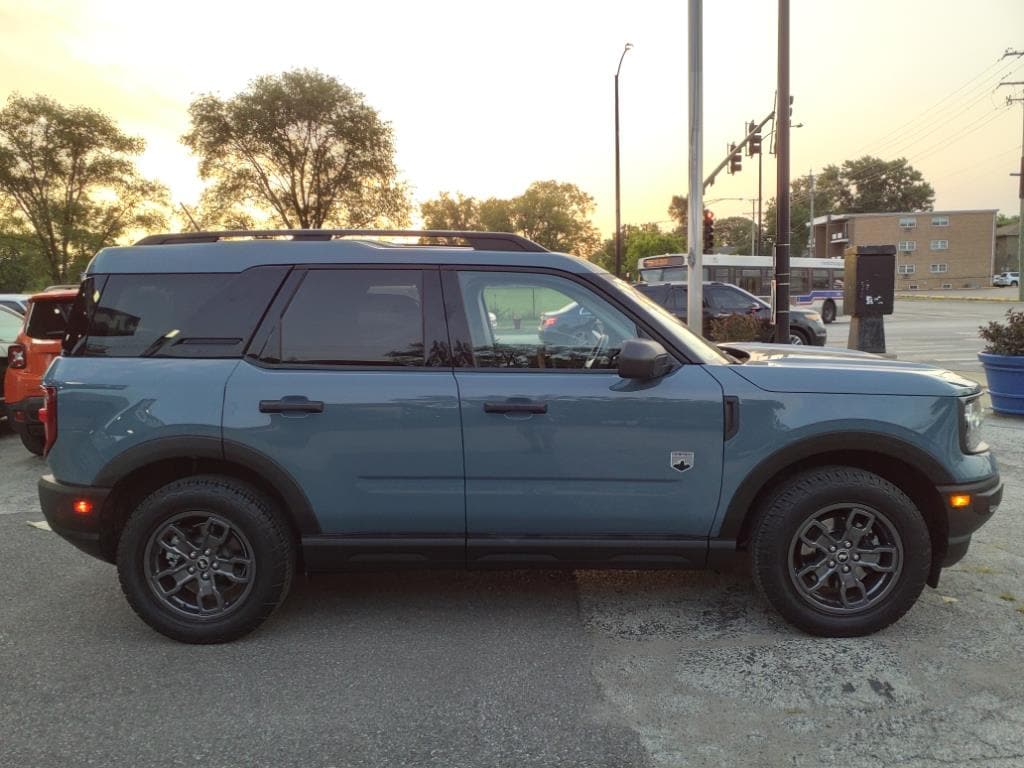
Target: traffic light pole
column 694, row 262
column 737, row 148
column 782, row 187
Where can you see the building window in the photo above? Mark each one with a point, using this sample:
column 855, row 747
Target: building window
column 908, row 222
column 908, row 245
column 939, row 269
column 940, row 245
column 913, row 287
column 906, row 269
column 940, row 221
column 947, row 285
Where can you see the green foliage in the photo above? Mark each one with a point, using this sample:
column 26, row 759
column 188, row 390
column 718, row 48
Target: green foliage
column 735, row 232
column 638, row 241
column 551, row 213
column 302, row 146
column 678, row 211
column 1005, row 338
column 67, row 175
column 22, row 266
column 866, row 185
column 1002, row 219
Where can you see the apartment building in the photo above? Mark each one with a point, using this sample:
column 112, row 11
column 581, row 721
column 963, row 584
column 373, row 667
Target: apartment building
column 934, row 249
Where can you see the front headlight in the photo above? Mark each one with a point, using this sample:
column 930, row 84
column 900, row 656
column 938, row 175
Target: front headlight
column 816, row 317
column 972, row 416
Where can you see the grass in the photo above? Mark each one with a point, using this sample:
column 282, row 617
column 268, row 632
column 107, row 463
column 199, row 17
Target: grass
column 526, row 303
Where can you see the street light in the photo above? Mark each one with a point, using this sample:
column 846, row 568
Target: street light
column 618, row 194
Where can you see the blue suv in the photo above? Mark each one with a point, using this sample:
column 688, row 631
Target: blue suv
column 232, row 407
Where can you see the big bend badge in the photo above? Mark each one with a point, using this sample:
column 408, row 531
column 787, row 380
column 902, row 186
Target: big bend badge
column 681, row 461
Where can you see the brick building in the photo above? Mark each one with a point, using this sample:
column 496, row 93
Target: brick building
column 934, row 249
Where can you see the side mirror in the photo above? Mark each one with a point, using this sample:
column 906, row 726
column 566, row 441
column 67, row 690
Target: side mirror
column 644, row 359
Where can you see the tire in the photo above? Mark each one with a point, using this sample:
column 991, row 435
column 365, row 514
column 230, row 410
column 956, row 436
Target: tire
column 800, row 562
column 828, row 312
column 799, row 337
column 232, row 569
column 33, row 443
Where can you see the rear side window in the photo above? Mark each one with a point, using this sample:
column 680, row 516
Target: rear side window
column 366, row 317
column 165, row 315
column 47, row 319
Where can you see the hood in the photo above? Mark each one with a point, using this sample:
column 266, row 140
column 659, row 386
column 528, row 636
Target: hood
column 785, row 368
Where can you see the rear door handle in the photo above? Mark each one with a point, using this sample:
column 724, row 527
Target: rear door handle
column 515, row 407
column 291, row 405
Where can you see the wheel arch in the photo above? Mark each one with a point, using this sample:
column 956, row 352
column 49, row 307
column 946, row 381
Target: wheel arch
column 136, row 473
column 904, row 465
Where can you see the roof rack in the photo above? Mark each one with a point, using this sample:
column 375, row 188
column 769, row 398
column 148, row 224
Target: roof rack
column 480, row 241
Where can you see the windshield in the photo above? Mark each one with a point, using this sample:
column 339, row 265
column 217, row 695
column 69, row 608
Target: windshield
column 698, row 345
column 10, row 326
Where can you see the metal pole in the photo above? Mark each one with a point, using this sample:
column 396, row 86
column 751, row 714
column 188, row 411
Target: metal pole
column 618, row 193
column 782, row 186
column 694, row 238
column 760, row 226
column 810, row 233
column 753, row 224
column 1020, row 217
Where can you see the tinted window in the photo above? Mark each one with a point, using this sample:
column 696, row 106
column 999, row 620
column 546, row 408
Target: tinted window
column 160, row 315
column 521, row 320
column 47, row 319
column 730, row 300
column 354, row 317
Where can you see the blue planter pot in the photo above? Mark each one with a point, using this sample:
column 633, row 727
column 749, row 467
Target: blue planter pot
column 1005, row 374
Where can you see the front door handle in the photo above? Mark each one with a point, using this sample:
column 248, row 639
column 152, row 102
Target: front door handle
column 291, row 404
column 515, row 407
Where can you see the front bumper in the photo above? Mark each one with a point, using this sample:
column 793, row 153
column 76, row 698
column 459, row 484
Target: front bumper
column 85, row 531
column 964, row 521
column 23, row 416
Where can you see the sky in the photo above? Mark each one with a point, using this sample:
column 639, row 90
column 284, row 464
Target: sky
column 486, row 97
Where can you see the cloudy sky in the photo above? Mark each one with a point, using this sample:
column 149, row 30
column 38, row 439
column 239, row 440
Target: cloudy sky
column 486, row 97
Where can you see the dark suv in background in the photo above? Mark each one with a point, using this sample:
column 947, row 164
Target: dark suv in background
column 722, row 300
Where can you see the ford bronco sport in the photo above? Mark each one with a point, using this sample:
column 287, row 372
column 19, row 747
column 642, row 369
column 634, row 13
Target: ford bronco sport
column 231, row 407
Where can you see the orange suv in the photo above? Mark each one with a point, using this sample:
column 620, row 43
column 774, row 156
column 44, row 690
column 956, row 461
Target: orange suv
column 29, row 357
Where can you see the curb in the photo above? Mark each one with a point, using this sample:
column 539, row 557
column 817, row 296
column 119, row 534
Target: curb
column 920, row 297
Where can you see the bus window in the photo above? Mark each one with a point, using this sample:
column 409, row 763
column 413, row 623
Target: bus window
column 798, row 281
column 750, row 280
column 820, row 280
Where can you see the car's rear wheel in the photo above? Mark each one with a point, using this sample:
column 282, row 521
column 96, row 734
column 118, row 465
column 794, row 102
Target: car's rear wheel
column 839, row 551
column 828, row 311
column 33, row 443
column 205, row 559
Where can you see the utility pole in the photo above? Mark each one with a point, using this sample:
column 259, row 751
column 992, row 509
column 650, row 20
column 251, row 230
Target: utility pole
column 1020, row 189
column 695, row 217
column 753, row 225
column 760, row 226
column 810, row 234
column 782, row 186
column 618, row 194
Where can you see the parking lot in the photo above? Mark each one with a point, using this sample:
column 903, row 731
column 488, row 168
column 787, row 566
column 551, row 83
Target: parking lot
column 522, row 668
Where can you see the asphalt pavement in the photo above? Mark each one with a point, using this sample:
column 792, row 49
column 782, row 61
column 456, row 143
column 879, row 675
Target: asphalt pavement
column 520, row 669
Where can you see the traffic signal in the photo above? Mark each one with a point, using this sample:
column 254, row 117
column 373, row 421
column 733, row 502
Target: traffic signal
column 735, row 160
column 709, row 231
column 754, row 144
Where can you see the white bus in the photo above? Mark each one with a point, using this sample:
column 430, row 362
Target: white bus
column 814, row 283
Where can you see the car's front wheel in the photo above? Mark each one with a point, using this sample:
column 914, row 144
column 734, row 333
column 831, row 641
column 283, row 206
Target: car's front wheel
column 205, row 559
column 839, row 551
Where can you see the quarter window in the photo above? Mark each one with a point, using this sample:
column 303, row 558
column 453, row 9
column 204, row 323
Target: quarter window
column 363, row 317
column 540, row 322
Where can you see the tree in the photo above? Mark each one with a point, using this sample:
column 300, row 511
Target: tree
column 867, row 185
column 638, row 242
column 302, row 145
column 446, row 212
column 69, row 177
column 552, row 213
column 679, row 211
column 735, row 232
column 1002, row 219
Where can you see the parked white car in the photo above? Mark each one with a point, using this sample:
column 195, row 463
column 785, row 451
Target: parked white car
column 1006, row 278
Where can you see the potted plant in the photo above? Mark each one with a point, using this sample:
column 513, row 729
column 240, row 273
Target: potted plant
column 1003, row 361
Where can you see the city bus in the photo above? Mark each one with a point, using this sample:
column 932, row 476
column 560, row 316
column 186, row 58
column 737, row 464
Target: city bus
column 814, row 283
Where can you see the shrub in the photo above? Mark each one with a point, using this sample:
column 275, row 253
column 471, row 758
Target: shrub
column 736, row 328
column 1005, row 338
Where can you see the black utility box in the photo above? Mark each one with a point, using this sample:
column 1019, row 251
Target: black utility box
column 869, row 280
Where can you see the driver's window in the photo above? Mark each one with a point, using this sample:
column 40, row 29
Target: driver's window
column 542, row 322
column 728, row 300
